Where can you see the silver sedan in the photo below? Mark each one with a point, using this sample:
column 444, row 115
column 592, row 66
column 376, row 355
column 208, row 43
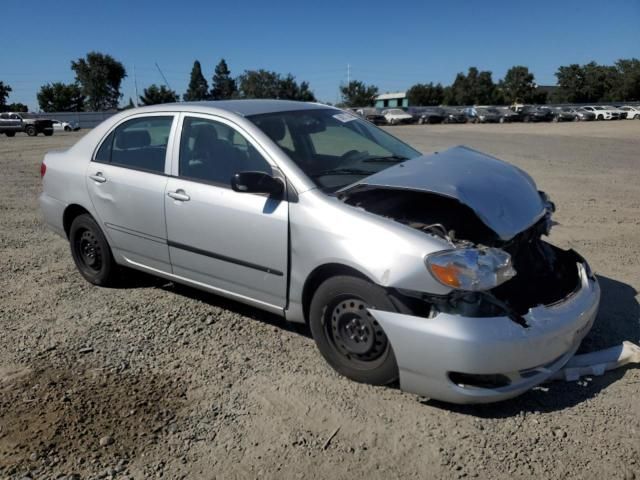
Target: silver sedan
column 430, row 270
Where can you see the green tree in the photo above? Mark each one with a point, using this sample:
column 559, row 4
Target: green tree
column 259, row 84
column 198, row 86
column 60, row 97
column 518, row 85
column 357, row 94
column 426, row 94
column 223, row 85
column 154, row 95
column 571, row 84
column 5, row 90
column 628, row 88
column 130, row 105
column 99, row 77
column 474, row 88
column 289, row 89
column 17, row 107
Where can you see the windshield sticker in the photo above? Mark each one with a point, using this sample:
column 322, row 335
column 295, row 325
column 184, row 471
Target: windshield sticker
column 345, row 117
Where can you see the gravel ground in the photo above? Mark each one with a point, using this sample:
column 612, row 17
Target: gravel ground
column 156, row 380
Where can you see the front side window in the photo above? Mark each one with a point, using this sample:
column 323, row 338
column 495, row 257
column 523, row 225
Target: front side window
column 333, row 148
column 213, row 152
column 140, row 144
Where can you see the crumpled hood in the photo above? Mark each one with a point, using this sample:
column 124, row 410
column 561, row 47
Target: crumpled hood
column 503, row 196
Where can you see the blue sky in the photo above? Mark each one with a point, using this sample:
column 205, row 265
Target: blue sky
column 390, row 44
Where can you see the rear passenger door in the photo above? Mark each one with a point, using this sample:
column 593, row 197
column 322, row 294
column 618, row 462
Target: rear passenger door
column 126, row 180
column 235, row 243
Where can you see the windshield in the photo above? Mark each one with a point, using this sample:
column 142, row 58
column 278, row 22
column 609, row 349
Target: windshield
column 333, row 148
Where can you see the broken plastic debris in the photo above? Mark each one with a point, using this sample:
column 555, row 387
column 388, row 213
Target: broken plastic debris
column 596, row 363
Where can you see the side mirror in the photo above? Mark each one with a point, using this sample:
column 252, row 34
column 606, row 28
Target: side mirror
column 256, row 182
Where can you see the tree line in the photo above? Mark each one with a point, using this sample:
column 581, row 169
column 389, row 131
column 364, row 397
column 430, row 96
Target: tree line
column 575, row 84
column 98, row 81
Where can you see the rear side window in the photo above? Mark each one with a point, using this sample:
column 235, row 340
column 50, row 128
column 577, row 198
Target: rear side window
column 140, row 144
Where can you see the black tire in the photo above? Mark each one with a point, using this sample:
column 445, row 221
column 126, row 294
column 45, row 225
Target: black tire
column 599, row 117
column 67, row 129
column 348, row 337
column 10, row 134
column 48, row 133
column 31, row 130
column 91, row 252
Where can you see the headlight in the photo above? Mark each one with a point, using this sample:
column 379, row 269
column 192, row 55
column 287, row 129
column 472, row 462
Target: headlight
column 472, row 269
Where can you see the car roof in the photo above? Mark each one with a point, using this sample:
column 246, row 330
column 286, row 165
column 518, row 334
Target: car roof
column 244, row 108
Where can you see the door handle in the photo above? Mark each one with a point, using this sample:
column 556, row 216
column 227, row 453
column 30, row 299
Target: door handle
column 98, row 177
column 179, row 195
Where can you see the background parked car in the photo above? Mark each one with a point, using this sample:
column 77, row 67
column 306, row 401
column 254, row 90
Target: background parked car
column 633, row 113
column 372, row 115
column 536, row 114
column 454, row 115
column 60, row 126
column 396, row 116
column 507, row 115
column 482, row 115
column 601, row 113
column 581, row 114
column 13, row 122
column 563, row 114
column 427, row 115
column 618, row 113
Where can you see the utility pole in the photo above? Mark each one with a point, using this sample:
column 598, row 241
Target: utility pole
column 348, row 73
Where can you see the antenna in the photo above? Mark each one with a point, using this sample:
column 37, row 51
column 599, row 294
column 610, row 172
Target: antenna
column 163, row 77
column 135, row 83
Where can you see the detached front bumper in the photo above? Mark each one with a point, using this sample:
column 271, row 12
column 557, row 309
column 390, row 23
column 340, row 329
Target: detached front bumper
column 486, row 359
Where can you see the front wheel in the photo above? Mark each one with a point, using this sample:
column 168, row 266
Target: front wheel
column 67, row 128
column 91, row 252
column 48, row 133
column 349, row 338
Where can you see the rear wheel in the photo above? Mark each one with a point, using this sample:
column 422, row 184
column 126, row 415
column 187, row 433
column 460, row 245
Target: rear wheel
column 91, row 252
column 10, row 134
column 67, row 128
column 31, row 131
column 347, row 335
column 48, row 133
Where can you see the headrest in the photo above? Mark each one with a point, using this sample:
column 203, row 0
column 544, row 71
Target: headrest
column 133, row 139
column 273, row 127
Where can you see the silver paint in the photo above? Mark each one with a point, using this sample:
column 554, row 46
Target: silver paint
column 311, row 232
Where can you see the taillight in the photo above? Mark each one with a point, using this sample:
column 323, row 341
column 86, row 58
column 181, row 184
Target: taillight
column 43, row 169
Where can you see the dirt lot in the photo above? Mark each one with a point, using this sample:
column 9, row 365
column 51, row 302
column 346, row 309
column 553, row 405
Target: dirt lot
column 157, row 380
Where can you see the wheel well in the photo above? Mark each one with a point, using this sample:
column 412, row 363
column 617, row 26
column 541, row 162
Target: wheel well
column 319, row 275
column 70, row 213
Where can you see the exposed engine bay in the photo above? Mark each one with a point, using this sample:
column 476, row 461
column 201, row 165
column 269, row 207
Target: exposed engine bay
column 544, row 275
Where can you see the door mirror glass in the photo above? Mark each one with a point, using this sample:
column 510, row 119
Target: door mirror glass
column 256, row 182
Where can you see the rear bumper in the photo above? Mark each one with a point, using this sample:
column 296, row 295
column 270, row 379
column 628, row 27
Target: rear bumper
column 432, row 351
column 53, row 213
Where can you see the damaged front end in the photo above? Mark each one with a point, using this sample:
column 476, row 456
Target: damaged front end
column 517, row 309
column 510, row 276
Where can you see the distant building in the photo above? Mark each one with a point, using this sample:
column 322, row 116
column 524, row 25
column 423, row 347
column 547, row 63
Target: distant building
column 390, row 100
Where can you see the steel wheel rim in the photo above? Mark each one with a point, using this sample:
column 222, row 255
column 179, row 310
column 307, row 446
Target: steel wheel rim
column 354, row 333
column 88, row 250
